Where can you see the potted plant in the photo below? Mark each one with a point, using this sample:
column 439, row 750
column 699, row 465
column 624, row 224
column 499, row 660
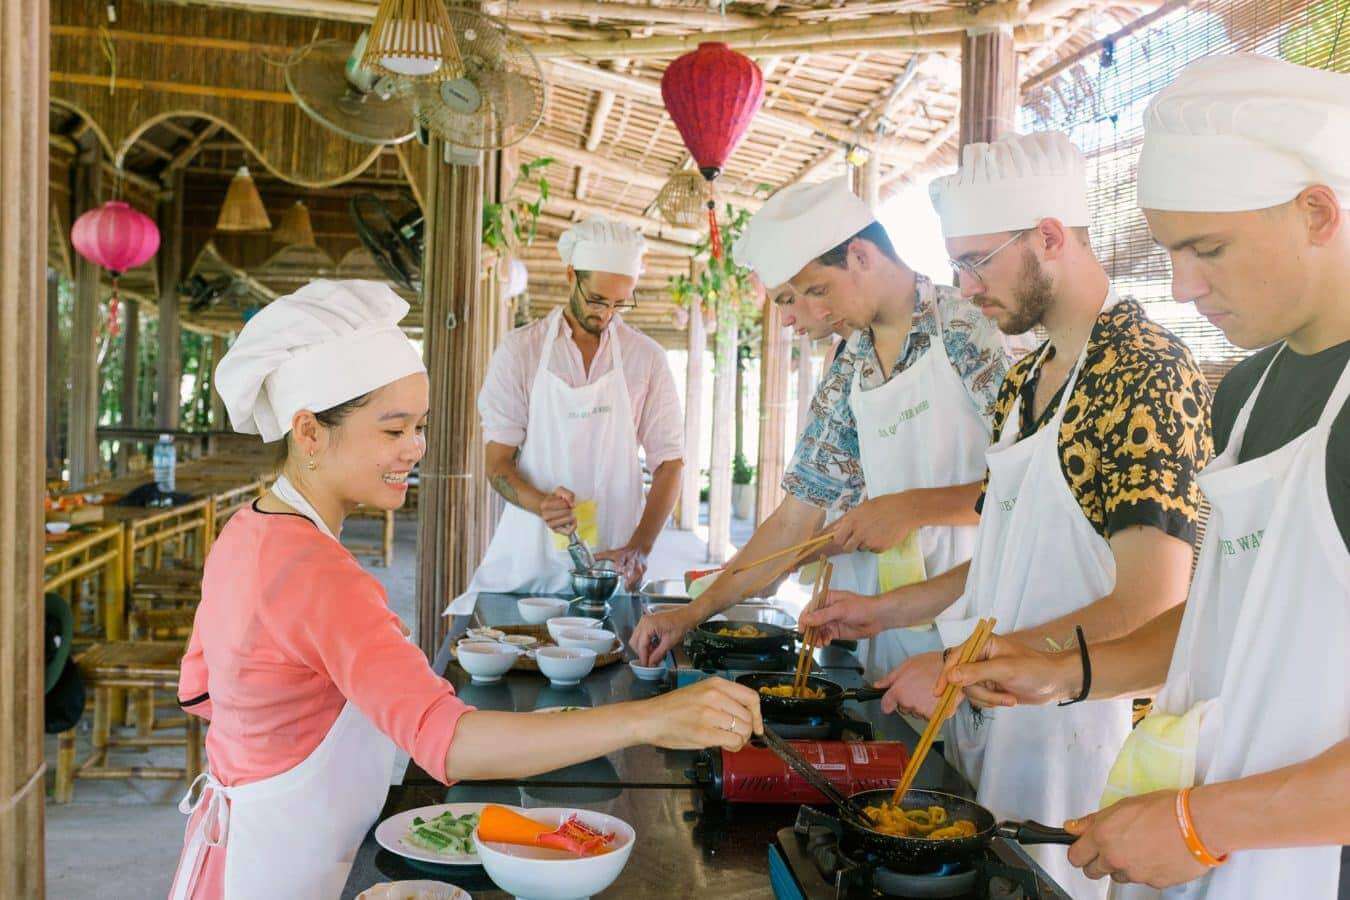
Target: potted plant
column 742, row 487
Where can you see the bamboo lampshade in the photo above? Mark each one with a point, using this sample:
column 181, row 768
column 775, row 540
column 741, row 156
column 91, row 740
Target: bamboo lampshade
column 243, row 207
column 295, row 226
column 413, row 39
column 683, row 200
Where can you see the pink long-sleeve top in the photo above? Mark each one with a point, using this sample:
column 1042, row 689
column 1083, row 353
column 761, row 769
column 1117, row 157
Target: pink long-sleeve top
column 290, row 628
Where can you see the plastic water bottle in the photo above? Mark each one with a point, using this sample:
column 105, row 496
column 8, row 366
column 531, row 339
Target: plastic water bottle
column 164, row 459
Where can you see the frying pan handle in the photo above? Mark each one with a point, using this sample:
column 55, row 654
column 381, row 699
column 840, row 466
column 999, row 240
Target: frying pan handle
column 1030, row 832
column 864, row 694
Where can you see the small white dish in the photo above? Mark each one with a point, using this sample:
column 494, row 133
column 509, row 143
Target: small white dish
column 485, row 634
column 538, row 610
column 391, row 833
column 598, row 639
column 561, row 623
column 540, row 873
column 58, row 527
column 565, row 666
column 648, row 673
column 523, row 641
column 486, row 661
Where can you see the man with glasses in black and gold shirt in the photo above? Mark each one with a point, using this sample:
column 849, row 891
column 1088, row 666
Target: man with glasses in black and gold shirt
column 566, row 405
column 1090, row 501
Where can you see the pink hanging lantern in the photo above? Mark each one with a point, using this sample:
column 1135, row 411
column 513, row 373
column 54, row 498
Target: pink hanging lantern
column 117, row 238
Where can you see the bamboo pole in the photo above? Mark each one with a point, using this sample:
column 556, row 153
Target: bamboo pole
column 724, row 403
column 169, row 268
column 56, row 375
column 775, row 359
column 82, row 423
column 988, row 86
column 806, row 380
column 24, row 46
column 643, row 13
column 692, row 481
column 460, row 334
column 131, row 374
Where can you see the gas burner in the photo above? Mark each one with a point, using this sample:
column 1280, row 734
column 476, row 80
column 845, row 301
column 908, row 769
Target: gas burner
column 809, row 861
column 842, row 726
column 716, row 659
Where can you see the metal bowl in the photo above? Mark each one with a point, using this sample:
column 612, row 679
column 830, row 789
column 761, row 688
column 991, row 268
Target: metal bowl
column 595, row 584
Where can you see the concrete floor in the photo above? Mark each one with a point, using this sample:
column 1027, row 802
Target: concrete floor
column 119, row 840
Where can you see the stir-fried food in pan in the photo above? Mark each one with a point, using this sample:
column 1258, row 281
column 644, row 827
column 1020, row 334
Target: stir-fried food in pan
column 932, row 823
column 739, row 631
column 786, row 690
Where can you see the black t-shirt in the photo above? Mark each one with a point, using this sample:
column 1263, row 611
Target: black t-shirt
column 1290, row 402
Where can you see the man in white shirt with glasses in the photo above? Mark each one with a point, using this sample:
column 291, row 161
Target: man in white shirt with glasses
column 566, row 404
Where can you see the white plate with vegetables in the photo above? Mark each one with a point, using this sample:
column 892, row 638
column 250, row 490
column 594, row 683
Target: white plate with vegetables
column 440, row 834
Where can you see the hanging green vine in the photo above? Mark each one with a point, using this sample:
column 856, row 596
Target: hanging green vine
column 722, row 285
column 513, row 223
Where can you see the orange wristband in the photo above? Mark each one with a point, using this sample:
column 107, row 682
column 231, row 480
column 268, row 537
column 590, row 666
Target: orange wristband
column 1193, row 842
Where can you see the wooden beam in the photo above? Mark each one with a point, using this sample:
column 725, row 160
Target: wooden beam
column 642, row 13
column 184, row 156
column 174, row 87
column 613, row 167
column 692, row 478
column 24, row 46
column 82, row 423
column 988, row 86
column 169, row 269
column 825, row 37
column 775, row 361
column 723, row 428
column 196, row 42
column 572, row 206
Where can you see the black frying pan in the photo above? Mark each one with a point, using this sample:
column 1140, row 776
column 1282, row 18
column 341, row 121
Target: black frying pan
column 770, row 637
column 915, row 854
column 794, row 709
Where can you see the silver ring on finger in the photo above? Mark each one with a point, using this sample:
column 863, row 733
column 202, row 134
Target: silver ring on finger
column 732, row 726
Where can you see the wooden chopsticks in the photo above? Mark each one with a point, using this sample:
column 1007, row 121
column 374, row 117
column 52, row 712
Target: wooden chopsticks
column 814, row 543
column 969, row 650
column 819, row 591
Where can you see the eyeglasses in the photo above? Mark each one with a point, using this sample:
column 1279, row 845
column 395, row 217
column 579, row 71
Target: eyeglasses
column 972, row 269
column 600, row 305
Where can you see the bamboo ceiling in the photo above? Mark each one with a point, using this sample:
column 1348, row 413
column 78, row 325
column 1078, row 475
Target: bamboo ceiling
column 198, row 86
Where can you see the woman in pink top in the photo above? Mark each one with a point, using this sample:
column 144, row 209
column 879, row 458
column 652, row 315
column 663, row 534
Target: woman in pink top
column 306, row 676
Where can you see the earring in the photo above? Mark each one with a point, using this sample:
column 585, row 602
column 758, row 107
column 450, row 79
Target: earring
column 311, row 465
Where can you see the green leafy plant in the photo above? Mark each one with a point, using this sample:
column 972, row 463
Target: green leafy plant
column 513, row 223
column 741, row 470
column 722, row 285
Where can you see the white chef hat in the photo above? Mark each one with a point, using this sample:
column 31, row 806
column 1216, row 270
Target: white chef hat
column 1243, row 131
column 329, row 342
column 1012, row 184
column 797, row 225
column 599, row 245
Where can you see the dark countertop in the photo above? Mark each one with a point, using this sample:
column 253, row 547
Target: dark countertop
column 687, row 845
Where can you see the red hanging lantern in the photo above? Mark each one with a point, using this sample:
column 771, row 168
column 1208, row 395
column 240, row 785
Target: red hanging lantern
column 117, row 238
column 712, row 94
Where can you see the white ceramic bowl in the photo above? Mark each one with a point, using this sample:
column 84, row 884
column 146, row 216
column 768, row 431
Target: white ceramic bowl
column 565, row 666
column 538, row 610
column 561, row 623
column 486, row 661
column 597, row 639
column 537, row 873
column 60, row 528
column 648, row 673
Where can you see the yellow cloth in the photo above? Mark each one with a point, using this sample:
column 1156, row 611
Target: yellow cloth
column 588, row 527
column 1159, row 755
column 902, row 564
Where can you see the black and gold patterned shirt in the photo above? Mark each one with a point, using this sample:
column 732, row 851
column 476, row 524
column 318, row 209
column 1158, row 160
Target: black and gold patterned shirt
column 1136, row 430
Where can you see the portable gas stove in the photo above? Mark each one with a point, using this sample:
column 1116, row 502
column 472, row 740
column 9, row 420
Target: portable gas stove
column 755, row 774
column 807, row 862
column 705, row 657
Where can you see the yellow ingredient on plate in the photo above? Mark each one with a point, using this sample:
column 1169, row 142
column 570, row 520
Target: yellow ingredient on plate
column 588, row 527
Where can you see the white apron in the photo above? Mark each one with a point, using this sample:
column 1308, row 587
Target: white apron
column 293, row 835
column 1267, row 616
column 580, row 438
column 918, row 430
column 1037, row 558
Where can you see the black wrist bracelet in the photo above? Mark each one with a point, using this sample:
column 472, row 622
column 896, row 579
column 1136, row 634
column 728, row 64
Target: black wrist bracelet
column 1087, row 669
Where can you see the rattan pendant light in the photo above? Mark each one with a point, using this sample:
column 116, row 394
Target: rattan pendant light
column 295, row 226
column 243, row 208
column 412, row 39
column 683, row 200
